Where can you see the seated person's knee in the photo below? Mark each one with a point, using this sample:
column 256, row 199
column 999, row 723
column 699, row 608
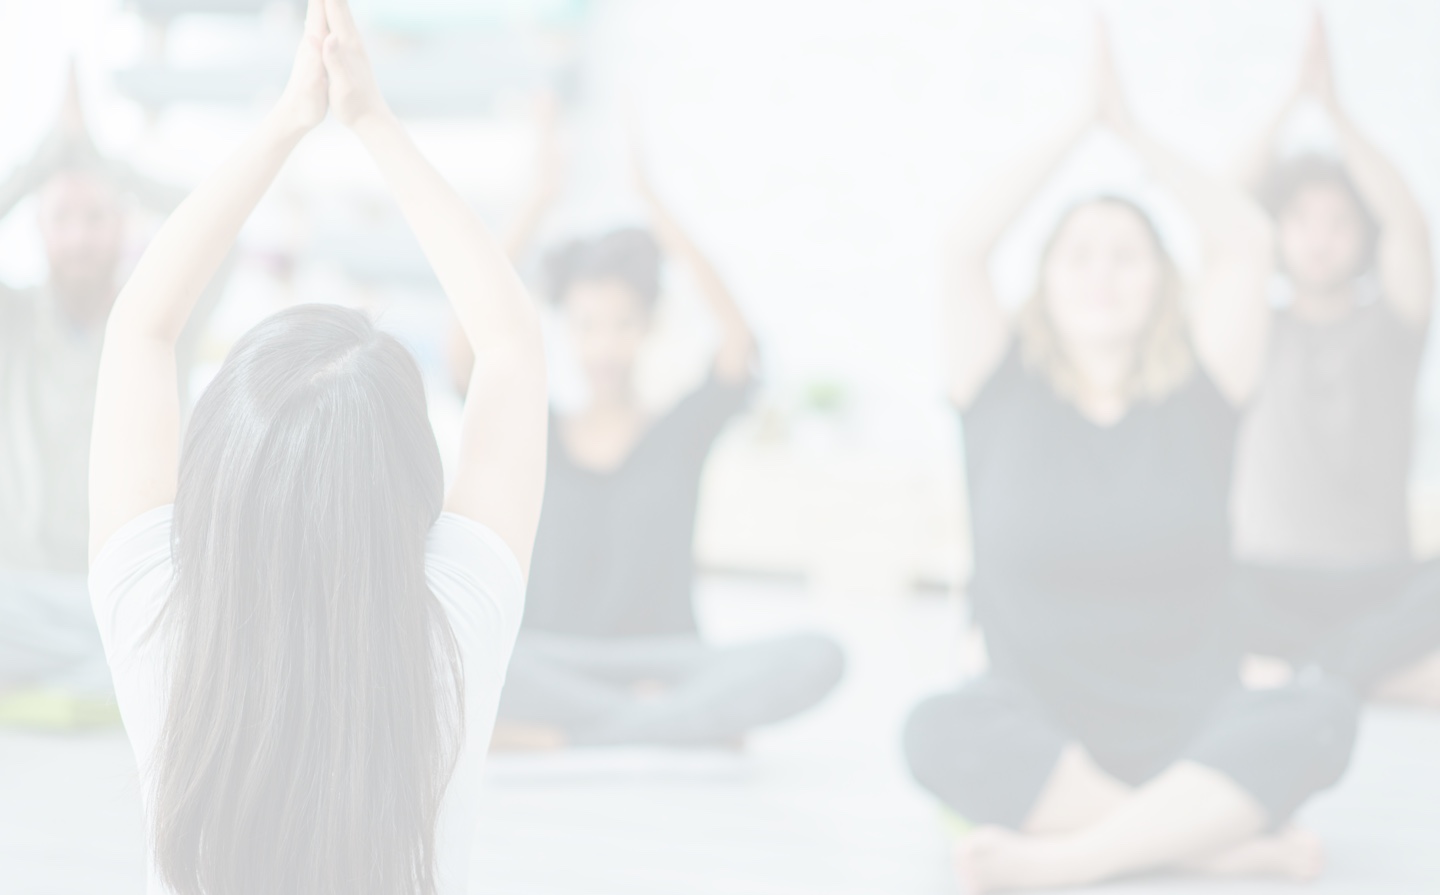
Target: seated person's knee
column 822, row 659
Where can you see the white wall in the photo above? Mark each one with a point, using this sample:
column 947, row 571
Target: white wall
column 818, row 147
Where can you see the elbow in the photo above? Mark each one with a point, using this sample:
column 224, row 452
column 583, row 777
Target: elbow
column 1250, row 239
column 124, row 326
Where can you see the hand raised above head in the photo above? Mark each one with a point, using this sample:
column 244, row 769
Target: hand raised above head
column 640, row 174
column 306, row 96
column 639, row 163
column 1111, row 107
column 549, row 158
column 1316, row 75
column 354, row 95
column 667, row 230
column 72, row 113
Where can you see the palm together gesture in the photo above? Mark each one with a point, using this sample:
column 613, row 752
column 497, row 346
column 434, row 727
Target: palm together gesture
column 332, row 71
column 1316, row 78
column 1109, row 105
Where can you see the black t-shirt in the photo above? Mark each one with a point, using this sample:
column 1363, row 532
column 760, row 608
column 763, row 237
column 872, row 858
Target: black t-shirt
column 613, row 553
column 1102, row 553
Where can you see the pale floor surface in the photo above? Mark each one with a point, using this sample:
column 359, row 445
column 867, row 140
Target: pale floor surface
column 820, row 806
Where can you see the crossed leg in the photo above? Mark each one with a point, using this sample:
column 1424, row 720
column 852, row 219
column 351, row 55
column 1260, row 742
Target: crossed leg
column 1088, row 827
column 979, row 750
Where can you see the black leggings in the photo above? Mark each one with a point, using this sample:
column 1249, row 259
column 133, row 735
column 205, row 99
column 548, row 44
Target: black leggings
column 988, row 749
column 711, row 695
column 1362, row 625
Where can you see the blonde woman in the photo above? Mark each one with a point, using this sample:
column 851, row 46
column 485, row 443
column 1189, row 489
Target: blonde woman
column 1110, row 734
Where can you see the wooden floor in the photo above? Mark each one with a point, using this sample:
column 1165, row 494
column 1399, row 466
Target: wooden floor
column 820, row 806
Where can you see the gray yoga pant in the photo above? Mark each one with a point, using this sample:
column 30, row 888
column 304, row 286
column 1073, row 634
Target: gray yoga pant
column 48, row 636
column 595, row 689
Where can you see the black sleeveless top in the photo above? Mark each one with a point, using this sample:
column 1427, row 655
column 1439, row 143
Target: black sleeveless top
column 1102, row 560
column 1323, row 461
column 613, row 552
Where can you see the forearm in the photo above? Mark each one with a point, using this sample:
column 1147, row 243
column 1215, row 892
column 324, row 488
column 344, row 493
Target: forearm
column 1228, row 314
column 997, row 207
column 1251, row 167
column 1229, row 220
column 1382, row 186
column 521, row 232
column 720, row 299
column 1403, row 256
column 717, row 295
column 25, row 180
column 473, row 268
column 976, row 328
column 152, row 194
column 184, row 256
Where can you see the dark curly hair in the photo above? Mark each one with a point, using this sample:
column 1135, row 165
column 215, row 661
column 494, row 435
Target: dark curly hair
column 630, row 255
column 1287, row 179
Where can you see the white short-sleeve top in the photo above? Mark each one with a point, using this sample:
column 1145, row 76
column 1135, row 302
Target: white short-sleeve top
column 471, row 571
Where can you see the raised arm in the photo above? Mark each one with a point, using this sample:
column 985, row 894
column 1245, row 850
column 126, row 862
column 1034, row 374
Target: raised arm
column 501, row 475
column 1256, row 159
column 1229, row 313
column 1250, row 168
column 134, row 454
column 976, row 327
column 547, row 179
column 67, row 143
column 155, row 195
column 549, row 175
column 736, row 354
column 1407, row 273
column 49, row 157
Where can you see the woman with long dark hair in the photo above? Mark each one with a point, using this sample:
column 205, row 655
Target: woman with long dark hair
column 308, row 634
column 1110, row 734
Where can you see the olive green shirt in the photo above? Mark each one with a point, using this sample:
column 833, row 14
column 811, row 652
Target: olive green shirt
column 48, row 368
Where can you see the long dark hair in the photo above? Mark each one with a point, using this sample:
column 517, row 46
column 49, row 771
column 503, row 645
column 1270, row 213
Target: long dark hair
column 315, row 696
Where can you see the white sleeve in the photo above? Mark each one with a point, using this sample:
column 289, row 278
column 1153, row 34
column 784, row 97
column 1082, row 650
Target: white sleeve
column 478, row 581
column 130, row 580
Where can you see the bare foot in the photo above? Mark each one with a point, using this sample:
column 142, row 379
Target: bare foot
column 518, row 736
column 1290, row 854
column 1418, row 685
column 1265, row 672
column 993, row 859
column 646, row 688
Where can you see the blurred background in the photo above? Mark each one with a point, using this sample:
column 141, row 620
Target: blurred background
column 816, row 149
